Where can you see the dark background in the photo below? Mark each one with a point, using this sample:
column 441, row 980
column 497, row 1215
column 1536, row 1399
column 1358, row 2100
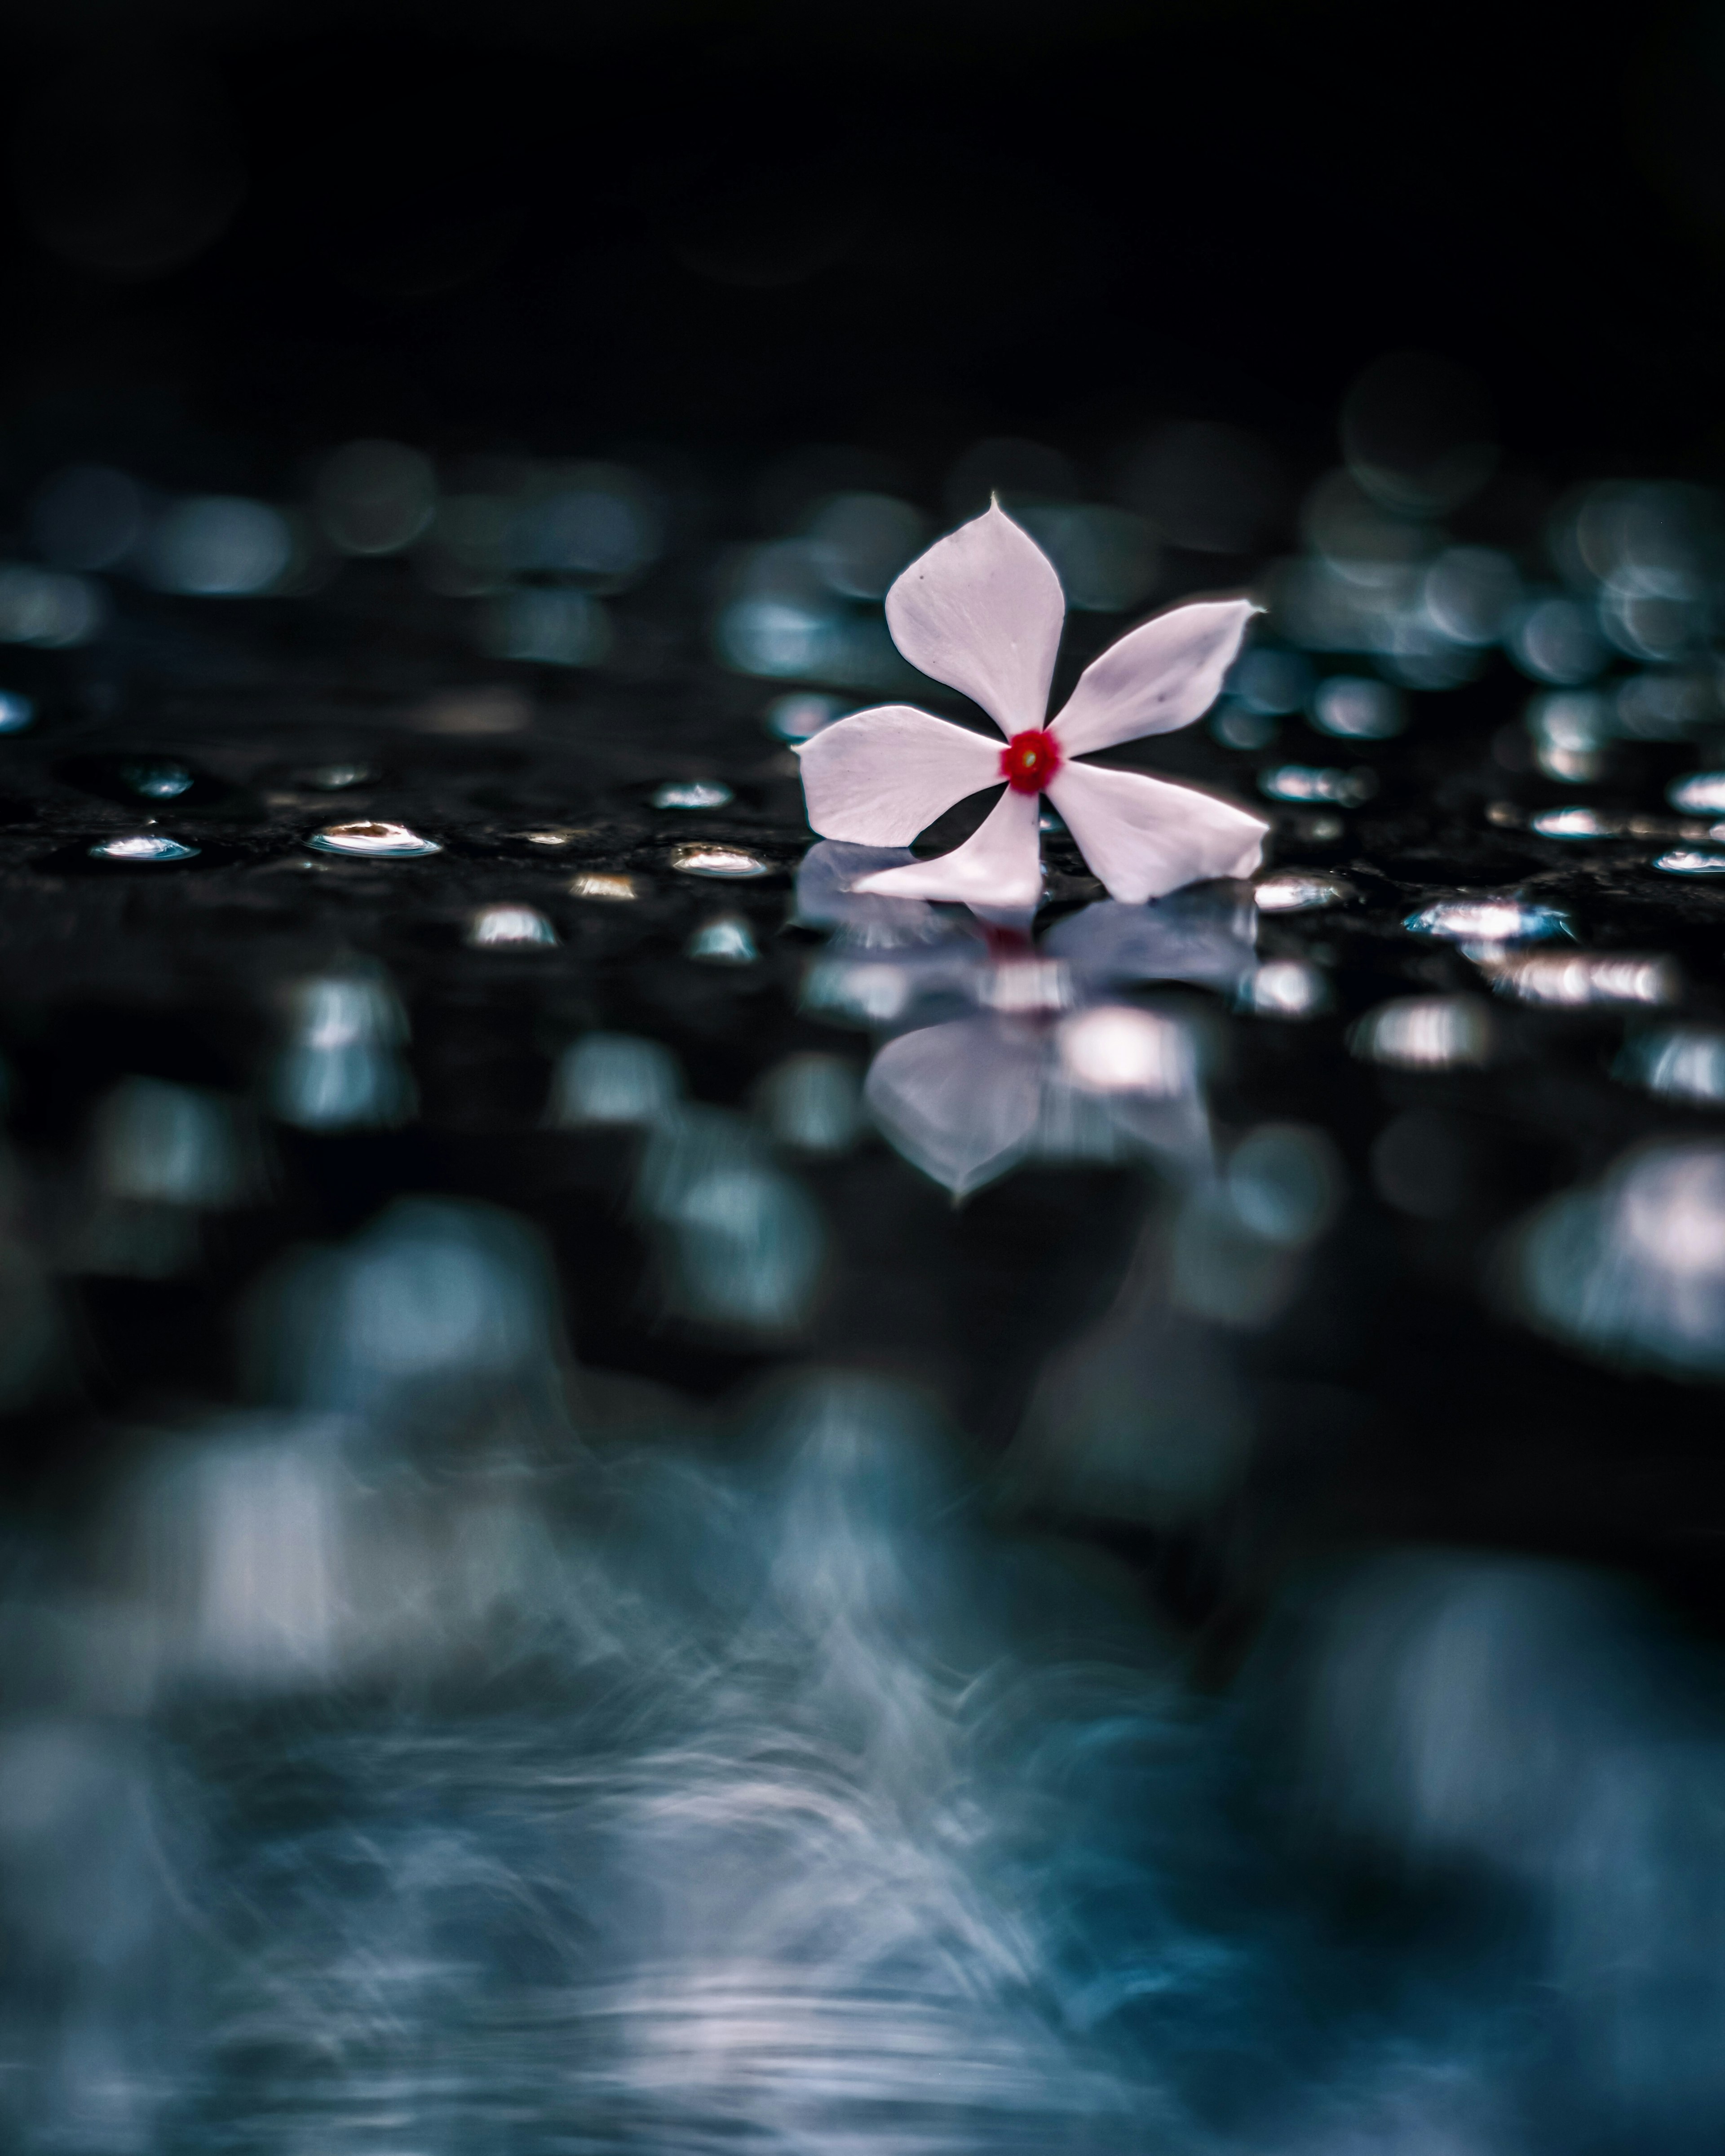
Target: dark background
column 236, row 233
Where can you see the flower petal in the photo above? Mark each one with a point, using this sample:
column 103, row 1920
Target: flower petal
column 999, row 864
column 1144, row 837
column 879, row 776
column 982, row 611
column 1156, row 678
column 960, row 1101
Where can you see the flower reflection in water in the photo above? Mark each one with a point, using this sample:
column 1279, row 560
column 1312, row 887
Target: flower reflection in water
column 1008, row 1050
column 966, row 1100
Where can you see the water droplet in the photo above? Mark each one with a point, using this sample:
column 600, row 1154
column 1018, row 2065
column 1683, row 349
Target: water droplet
column 614, row 1078
column 376, row 497
column 1354, row 707
column 1235, row 727
column 1571, row 824
column 1572, row 980
column 813, row 1104
column 692, row 793
column 1285, row 1184
column 172, row 1145
column 1302, row 781
column 145, row 846
column 1488, row 921
column 218, row 547
column 376, row 841
column 1633, row 1268
column 1295, row 891
column 726, row 940
column 1117, row 1048
column 1569, row 732
column 342, row 1069
column 504, row 927
column 1557, row 639
column 549, row 840
column 603, row 887
column 157, row 782
column 1425, row 1032
column 335, row 777
column 1685, row 861
column 796, row 717
column 16, row 712
column 862, row 992
column 746, row 1249
column 1679, row 1063
column 55, row 613
column 1288, row 988
column 728, row 861
column 1702, row 793
column 1316, row 827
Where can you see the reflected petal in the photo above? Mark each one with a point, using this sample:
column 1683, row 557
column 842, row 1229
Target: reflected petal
column 827, row 895
column 1155, row 679
column 982, row 611
column 1144, row 837
column 1199, row 935
column 1177, row 1132
column 879, row 776
column 1001, row 865
column 960, row 1102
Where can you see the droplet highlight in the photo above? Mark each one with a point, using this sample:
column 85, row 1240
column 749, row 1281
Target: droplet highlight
column 1425, row 1032
column 1571, row 824
column 1690, row 861
column 1292, row 891
column 510, row 928
column 1488, row 921
column 145, row 846
column 692, row 793
column 1301, row 782
column 1702, row 793
column 157, row 782
column 1285, row 989
column 730, row 862
column 373, row 841
column 728, row 940
column 611, row 889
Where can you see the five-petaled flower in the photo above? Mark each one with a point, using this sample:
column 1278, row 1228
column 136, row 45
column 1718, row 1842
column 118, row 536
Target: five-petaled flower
column 982, row 611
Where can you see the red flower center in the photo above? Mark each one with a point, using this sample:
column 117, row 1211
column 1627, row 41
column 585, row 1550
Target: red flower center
column 1030, row 760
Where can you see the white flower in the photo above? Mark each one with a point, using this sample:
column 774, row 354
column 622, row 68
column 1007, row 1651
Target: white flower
column 982, row 611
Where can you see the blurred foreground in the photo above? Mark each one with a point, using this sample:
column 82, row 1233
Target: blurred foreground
column 437, row 1762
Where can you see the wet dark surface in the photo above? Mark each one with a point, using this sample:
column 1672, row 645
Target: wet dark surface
column 1395, row 1395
